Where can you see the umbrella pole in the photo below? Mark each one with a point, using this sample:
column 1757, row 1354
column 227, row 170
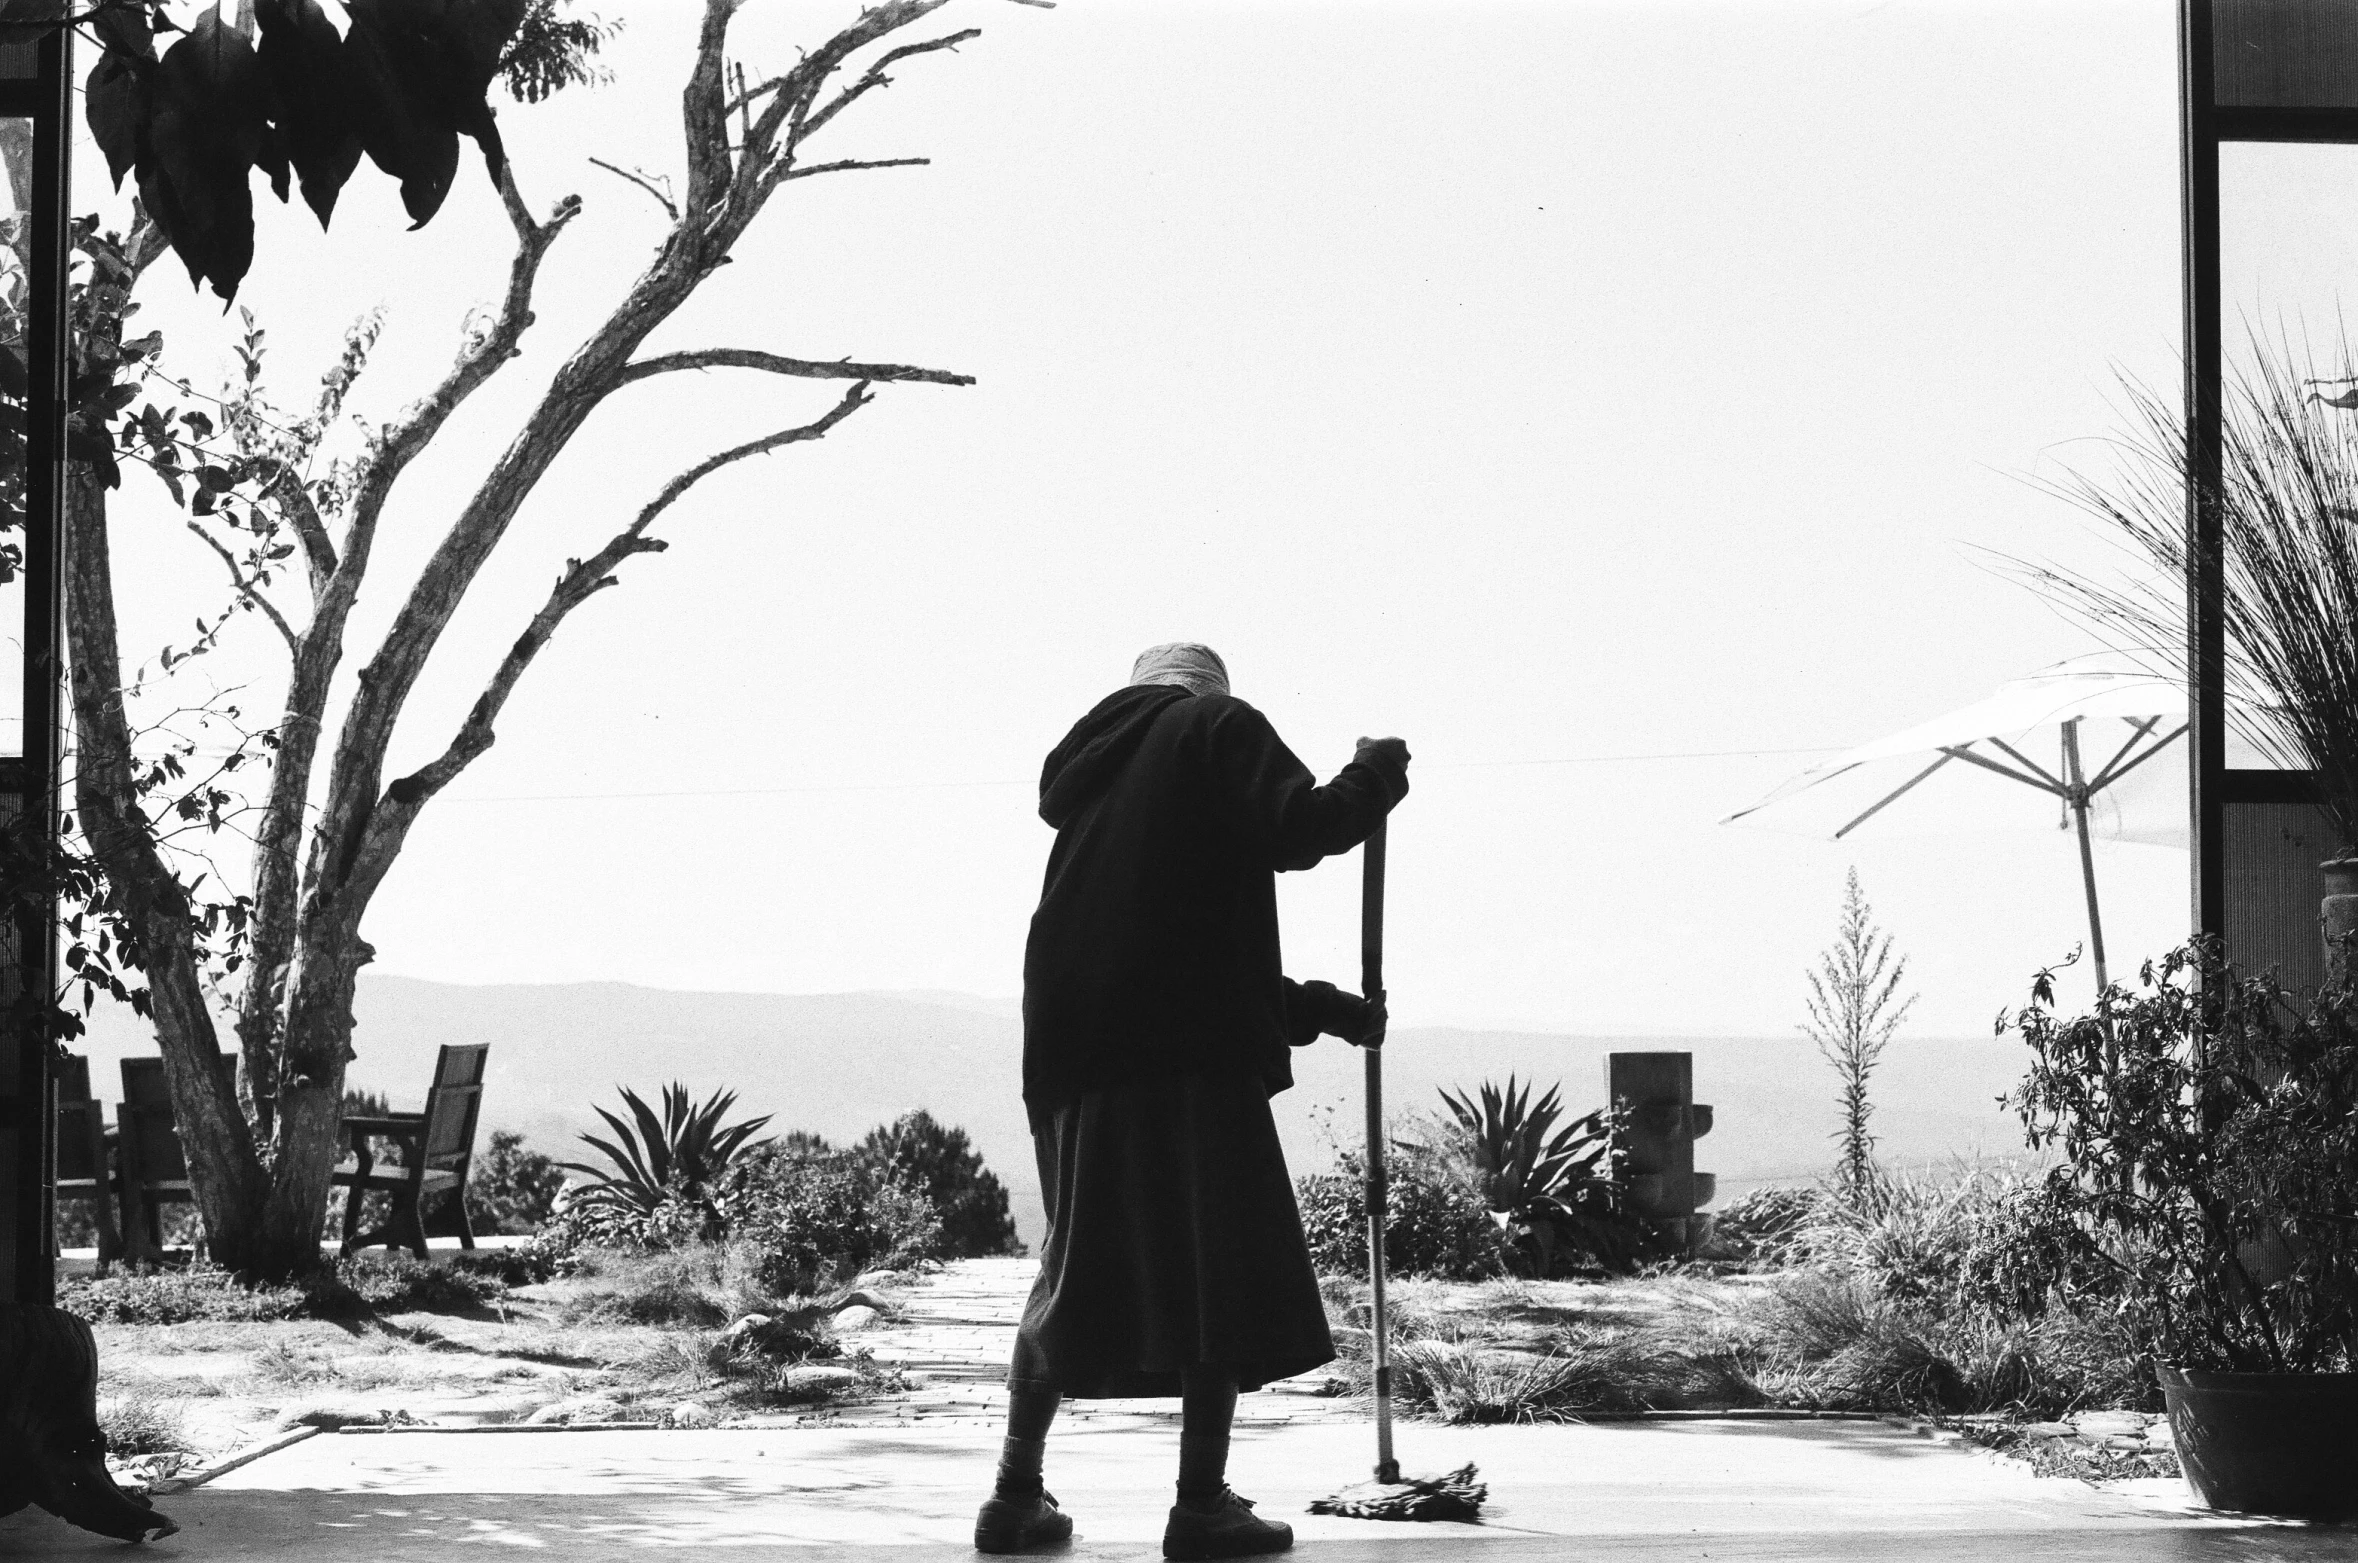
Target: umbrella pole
column 2079, row 809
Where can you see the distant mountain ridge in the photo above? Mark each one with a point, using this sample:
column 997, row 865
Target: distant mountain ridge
column 838, row 1064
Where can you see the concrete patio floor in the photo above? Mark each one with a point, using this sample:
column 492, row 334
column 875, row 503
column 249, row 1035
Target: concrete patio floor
column 1638, row 1490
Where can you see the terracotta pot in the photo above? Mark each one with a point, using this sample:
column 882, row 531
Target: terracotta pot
column 2267, row 1443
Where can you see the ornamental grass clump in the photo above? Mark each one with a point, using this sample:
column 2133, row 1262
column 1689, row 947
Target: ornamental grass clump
column 2208, row 1125
column 2288, row 560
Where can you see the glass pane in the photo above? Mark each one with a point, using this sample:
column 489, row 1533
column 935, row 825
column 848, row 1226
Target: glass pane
column 2286, row 231
column 2285, row 53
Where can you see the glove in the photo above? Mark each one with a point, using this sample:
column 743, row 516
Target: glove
column 1355, row 1019
column 1391, row 753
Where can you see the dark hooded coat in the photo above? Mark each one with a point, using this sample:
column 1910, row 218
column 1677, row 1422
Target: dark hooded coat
column 1154, row 952
column 1157, row 1026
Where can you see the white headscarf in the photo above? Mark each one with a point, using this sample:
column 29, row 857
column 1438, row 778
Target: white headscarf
column 1195, row 668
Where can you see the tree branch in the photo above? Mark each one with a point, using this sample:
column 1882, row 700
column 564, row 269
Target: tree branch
column 800, row 368
column 764, row 156
column 670, row 208
column 284, row 883
column 853, row 400
column 286, row 490
column 849, row 165
column 583, row 579
column 874, row 77
column 247, row 589
column 704, row 111
column 362, row 823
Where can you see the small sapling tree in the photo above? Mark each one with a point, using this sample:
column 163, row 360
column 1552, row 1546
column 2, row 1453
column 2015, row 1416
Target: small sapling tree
column 1854, row 1007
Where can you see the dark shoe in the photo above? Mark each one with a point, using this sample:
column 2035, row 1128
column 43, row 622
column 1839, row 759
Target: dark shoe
column 1021, row 1524
column 1230, row 1530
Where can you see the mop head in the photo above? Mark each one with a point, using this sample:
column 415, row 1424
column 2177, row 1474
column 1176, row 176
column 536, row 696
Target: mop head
column 1456, row 1496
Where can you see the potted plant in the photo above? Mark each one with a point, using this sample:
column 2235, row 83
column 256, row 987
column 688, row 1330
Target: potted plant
column 2210, row 1177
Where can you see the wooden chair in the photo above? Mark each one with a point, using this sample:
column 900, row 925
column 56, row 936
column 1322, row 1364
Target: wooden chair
column 437, row 1152
column 82, row 1160
column 151, row 1169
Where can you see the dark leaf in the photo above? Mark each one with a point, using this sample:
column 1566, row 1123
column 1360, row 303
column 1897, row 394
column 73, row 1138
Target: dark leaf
column 123, row 28
column 420, row 70
column 304, row 58
column 116, row 100
column 207, row 131
column 29, row 21
column 92, row 445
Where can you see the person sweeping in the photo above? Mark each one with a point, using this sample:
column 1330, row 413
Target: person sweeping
column 1157, row 1024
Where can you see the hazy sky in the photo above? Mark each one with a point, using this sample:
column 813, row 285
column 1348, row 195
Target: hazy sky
column 1612, row 399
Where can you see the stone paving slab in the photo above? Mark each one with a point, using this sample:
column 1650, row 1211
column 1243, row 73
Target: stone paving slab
column 1644, row 1490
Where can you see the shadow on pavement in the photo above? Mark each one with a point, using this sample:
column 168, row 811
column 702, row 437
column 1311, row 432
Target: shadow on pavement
column 331, row 1527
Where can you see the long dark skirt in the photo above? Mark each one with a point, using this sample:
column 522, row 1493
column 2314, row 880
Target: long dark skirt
column 1173, row 1242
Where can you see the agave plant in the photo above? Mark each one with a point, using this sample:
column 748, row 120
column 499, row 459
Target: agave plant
column 676, row 1156
column 1544, row 1186
column 1513, row 1152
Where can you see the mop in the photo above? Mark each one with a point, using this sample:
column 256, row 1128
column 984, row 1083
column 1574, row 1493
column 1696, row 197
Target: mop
column 1391, row 1496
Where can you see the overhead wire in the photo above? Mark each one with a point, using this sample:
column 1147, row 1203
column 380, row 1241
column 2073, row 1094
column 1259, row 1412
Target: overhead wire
column 945, row 786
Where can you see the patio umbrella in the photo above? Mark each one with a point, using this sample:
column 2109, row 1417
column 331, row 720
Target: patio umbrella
column 2101, row 723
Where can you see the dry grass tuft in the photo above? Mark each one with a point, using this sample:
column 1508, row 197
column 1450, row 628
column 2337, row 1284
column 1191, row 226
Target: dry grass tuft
column 140, row 1423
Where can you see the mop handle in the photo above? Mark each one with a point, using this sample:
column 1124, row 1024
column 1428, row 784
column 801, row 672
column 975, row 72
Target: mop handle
column 1371, row 986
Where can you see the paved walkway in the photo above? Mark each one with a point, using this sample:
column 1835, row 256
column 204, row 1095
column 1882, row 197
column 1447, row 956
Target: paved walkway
column 1729, row 1491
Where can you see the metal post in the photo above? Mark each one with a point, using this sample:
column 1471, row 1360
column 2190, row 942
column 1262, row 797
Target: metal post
column 1371, row 984
column 35, row 1177
column 2206, row 658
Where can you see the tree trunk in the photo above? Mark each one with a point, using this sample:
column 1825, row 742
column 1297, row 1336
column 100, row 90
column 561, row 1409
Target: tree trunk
column 225, row 1172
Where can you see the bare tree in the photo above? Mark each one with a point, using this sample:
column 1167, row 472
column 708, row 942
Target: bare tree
column 1854, row 1007
column 331, row 824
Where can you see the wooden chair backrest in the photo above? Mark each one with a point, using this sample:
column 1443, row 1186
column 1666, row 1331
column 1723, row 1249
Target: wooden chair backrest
column 453, row 1104
column 81, row 1127
column 146, row 1117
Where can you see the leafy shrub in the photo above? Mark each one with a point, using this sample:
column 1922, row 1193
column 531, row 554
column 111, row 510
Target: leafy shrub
column 938, row 1161
column 373, row 1281
column 526, row 1264
column 392, row 1280
column 813, row 1222
column 513, row 1189
column 800, row 1216
column 2209, row 1126
column 2029, row 1256
column 1434, row 1222
column 198, row 1293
